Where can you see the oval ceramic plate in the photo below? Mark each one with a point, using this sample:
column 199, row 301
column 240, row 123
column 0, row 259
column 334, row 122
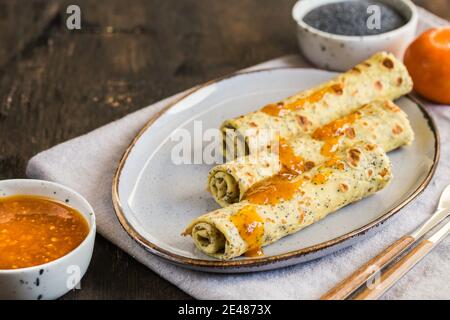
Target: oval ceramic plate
column 155, row 199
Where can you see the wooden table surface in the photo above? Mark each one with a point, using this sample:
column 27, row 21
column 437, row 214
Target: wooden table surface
column 57, row 84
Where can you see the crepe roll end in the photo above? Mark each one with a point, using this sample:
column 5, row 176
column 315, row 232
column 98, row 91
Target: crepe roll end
column 208, row 238
column 234, row 144
column 224, row 187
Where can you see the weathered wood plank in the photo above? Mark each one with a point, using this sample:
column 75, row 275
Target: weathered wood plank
column 115, row 275
column 24, row 26
column 438, row 7
column 56, row 84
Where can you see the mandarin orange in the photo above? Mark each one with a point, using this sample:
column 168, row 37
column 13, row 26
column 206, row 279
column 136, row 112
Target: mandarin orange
column 428, row 62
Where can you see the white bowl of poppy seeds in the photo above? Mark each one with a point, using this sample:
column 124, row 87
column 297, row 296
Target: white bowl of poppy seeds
column 338, row 34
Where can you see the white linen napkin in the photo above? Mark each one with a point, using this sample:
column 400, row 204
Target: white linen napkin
column 87, row 164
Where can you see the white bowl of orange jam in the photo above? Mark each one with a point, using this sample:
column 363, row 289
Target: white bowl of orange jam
column 47, row 235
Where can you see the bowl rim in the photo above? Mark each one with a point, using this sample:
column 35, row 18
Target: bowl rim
column 412, row 21
column 90, row 218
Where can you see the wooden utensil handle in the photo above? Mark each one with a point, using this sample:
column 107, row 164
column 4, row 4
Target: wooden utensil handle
column 357, row 278
column 398, row 270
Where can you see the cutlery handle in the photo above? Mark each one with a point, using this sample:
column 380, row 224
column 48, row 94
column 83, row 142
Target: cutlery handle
column 357, row 278
column 398, row 270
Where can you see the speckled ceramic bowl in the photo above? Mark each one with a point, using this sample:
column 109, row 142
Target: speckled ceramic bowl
column 340, row 53
column 53, row 279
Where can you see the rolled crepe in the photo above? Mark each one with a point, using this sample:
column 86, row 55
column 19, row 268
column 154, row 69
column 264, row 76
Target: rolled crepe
column 380, row 122
column 284, row 204
column 380, row 77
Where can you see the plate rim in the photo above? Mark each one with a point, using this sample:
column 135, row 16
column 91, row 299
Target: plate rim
column 257, row 262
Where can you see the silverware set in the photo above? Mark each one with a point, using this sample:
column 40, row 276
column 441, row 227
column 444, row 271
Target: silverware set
column 378, row 275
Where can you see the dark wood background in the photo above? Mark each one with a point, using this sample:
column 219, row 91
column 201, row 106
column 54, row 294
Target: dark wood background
column 56, row 84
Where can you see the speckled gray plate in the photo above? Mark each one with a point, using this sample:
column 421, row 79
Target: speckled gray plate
column 155, row 199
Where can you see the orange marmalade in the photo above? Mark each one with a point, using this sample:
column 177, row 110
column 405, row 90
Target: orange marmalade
column 332, row 132
column 292, row 163
column 324, row 170
column 251, row 229
column 281, row 108
column 36, row 230
column 284, row 185
column 281, row 187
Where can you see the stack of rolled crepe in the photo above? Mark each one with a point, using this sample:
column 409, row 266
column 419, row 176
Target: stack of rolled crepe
column 267, row 214
column 380, row 122
column 329, row 151
column 380, row 77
